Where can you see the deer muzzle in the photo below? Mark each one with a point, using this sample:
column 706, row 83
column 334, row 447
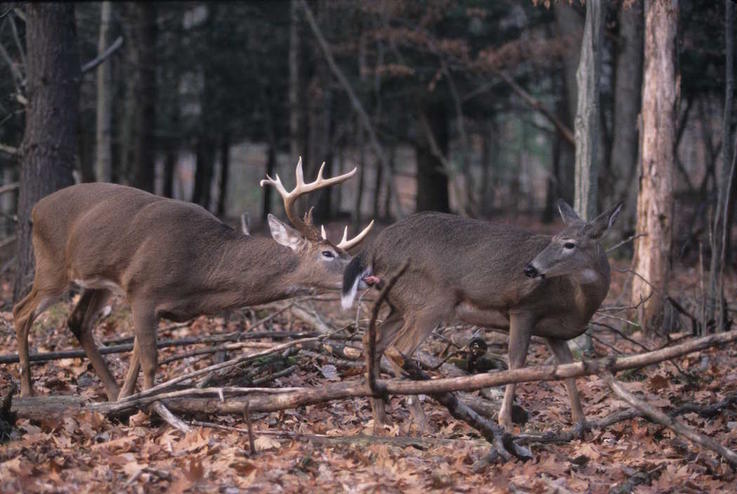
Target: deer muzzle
column 532, row 272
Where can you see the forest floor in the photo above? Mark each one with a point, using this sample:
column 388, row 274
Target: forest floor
column 333, row 446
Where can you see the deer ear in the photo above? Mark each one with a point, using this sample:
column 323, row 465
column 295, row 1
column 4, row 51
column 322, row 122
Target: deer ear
column 604, row 221
column 286, row 235
column 567, row 213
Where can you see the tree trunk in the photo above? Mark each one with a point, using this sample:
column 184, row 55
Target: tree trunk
column 144, row 148
column 432, row 181
column 170, row 165
column 103, row 139
column 204, row 166
column 294, row 104
column 720, row 228
column 569, row 26
column 224, row 172
column 655, row 199
column 627, row 86
column 50, row 139
column 587, row 114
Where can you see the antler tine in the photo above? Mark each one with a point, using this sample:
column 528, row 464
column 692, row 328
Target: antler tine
column 301, row 188
column 322, row 232
column 346, row 244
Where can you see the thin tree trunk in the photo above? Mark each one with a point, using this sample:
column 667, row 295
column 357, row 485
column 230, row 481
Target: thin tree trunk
column 103, row 136
column 294, row 105
column 720, row 228
column 587, row 114
column 655, row 200
column 627, row 86
column 144, row 156
column 224, row 172
column 204, row 166
column 50, row 139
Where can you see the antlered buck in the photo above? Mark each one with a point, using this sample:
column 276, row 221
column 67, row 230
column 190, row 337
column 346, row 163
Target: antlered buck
column 472, row 270
column 171, row 259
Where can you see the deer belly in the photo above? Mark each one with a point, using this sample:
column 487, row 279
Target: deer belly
column 472, row 314
column 563, row 328
column 98, row 283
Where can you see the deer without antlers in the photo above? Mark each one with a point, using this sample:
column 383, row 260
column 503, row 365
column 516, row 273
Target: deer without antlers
column 170, row 259
column 477, row 271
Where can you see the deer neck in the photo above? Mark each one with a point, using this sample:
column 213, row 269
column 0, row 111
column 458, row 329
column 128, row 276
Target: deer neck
column 591, row 286
column 256, row 270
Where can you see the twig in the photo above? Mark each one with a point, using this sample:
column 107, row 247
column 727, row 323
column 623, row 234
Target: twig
column 9, row 187
column 663, row 419
column 627, row 240
column 92, row 64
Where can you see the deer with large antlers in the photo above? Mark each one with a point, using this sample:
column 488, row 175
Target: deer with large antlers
column 480, row 273
column 170, row 259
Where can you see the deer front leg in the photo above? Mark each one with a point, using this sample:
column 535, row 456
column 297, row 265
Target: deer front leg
column 563, row 356
column 81, row 322
column 520, row 327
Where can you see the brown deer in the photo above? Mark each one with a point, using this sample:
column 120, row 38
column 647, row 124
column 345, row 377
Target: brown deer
column 170, row 259
column 474, row 271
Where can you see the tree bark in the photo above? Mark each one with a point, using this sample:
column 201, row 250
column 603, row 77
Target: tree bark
column 103, row 136
column 587, row 113
column 627, row 86
column 432, row 181
column 655, row 201
column 50, row 138
column 143, row 151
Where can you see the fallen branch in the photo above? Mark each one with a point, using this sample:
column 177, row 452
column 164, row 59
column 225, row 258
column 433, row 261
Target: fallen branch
column 169, row 417
column 661, row 418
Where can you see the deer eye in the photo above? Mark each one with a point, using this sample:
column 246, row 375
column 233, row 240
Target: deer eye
column 328, row 254
column 569, row 245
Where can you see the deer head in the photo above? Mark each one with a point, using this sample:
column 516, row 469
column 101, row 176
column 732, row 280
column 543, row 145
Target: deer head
column 573, row 250
column 319, row 259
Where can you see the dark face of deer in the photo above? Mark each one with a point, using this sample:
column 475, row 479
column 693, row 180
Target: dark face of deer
column 320, row 263
column 575, row 250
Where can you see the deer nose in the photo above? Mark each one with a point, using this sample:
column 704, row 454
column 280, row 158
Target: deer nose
column 531, row 271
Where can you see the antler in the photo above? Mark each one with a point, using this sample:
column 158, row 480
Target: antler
column 345, row 243
column 304, row 226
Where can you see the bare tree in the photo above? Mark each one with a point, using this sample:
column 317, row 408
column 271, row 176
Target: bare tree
column 50, row 138
column 651, row 261
column 143, row 151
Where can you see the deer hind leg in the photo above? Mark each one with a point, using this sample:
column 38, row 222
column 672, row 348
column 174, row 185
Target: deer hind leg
column 132, row 375
column 563, row 356
column 144, row 350
column 413, row 333
column 385, row 335
column 81, row 322
column 520, row 327
column 24, row 313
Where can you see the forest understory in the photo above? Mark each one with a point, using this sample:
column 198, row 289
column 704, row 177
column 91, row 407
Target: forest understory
column 334, row 445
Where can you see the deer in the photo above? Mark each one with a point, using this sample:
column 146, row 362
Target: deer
column 169, row 259
column 476, row 271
